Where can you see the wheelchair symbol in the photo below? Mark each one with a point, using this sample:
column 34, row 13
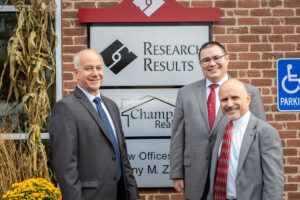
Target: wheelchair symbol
column 290, row 78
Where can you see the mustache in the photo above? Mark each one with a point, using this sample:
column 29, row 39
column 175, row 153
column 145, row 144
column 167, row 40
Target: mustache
column 230, row 108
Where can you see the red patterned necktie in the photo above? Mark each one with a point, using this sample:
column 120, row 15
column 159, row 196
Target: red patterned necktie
column 211, row 105
column 223, row 163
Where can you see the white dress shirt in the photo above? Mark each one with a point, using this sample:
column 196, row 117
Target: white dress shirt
column 91, row 99
column 237, row 135
column 208, row 83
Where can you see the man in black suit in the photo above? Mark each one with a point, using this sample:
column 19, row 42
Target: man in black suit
column 88, row 147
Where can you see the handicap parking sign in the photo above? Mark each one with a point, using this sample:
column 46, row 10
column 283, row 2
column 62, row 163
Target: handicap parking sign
column 288, row 84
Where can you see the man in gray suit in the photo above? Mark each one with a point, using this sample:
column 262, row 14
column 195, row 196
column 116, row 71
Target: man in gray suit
column 196, row 121
column 247, row 159
column 89, row 153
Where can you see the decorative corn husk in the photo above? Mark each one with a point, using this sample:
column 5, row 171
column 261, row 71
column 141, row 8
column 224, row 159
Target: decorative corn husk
column 30, row 58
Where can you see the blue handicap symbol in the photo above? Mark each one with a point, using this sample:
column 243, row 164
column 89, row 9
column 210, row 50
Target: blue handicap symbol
column 288, row 84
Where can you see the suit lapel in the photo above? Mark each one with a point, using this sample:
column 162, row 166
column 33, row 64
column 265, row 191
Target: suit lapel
column 89, row 107
column 247, row 141
column 201, row 96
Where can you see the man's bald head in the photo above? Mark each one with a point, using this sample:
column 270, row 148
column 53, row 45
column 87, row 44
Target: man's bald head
column 234, row 99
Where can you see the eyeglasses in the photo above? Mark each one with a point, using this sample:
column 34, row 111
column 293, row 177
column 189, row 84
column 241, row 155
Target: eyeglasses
column 206, row 61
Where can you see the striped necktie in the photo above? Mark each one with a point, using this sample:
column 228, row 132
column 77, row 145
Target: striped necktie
column 223, row 163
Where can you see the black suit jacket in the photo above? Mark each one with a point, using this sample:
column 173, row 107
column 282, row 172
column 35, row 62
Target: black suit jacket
column 82, row 154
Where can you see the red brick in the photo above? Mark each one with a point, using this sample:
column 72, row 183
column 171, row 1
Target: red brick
column 293, row 125
column 284, row 47
column 177, row 197
column 80, row 40
column 68, row 76
column 268, row 99
column 289, row 152
column 271, row 3
column 69, row 14
column 260, row 47
column 290, row 169
column 283, row 29
column 293, row 160
column 265, row 91
column 73, row 49
column 218, row 30
column 253, row 73
column 260, row 29
column 237, row 30
column 241, row 12
column 272, row 56
column 68, row 67
column 68, row 58
column 287, row 134
column 67, row 5
column 84, row 5
column 226, row 21
column 67, row 41
column 65, row 23
column 237, row 47
column 248, row 4
column 260, row 12
column 202, row 4
column 298, row 30
column 249, row 56
column 184, row 4
column 275, row 38
column 232, row 56
column 283, row 12
column 293, row 143
column 297, row 12
column 162, row 197
column 229, row 13
column 292, row 38
column 269, row 73
column 226, row 4
column 292, row 20
column 232, row 74
column 238, row 65
column 69, row 85
column 293, row 195
column 290, row 187
column 249, row 38
column 107, row 4
column 292, row 54
column 291, row 3
column 261, row 65
column 244, row 80
column 269, row 117
column 248, row 21
column 74, row 31
column 298, row 46
column 226, row 39
column 272, row 21
column 261, row 82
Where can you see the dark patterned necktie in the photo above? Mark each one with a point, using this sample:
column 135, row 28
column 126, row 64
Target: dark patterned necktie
column 223, row 163
column 112, row 136
column 211, row 105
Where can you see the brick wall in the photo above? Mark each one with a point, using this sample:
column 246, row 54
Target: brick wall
column 256, row 33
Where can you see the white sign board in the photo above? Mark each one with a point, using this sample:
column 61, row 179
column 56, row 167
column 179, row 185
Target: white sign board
column 149, row 55
column 150, row 162
column 144, row 112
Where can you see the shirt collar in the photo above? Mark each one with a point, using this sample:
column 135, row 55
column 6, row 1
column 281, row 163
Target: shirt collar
column 242, row 121
column 208, row 82
column 89, row 95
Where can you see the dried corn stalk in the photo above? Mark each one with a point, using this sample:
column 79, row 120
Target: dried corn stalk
column 30, row 58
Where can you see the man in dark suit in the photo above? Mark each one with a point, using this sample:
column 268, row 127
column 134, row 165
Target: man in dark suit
column 247, row 159
column 196, row 121
column 89, row 153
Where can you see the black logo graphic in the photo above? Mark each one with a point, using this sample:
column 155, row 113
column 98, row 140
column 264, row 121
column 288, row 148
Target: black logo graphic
column 117, row 56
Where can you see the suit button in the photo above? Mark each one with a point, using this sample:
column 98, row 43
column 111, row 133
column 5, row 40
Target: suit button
column 207, row 157
column 114, row 158
column 211, row 139
column 115, row 178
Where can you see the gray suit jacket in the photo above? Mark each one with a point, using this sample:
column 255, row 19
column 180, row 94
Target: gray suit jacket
column 82, row 154
column 192, row 141
column 260, row 167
